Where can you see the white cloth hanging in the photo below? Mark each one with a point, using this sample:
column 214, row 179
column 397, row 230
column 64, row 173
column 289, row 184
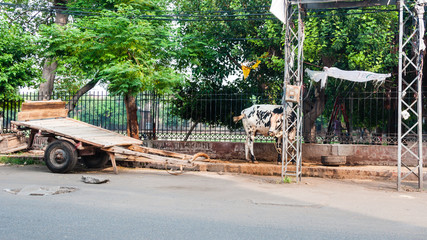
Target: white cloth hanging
column 278, row 9
column 354, row 76
column 419, row 8
column 317, row 76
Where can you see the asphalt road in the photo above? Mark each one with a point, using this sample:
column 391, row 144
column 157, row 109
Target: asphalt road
column 151, row 204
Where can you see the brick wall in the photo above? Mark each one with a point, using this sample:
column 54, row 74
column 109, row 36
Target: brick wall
column 356, row 154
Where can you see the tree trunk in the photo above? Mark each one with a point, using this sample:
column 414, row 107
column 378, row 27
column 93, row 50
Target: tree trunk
column 48, row 74
column 75, row 99
column 190, row 131
column 132, row 117
column 49, row 68
column 312, row 110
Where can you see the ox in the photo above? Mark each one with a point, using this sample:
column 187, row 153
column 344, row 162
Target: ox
column 266, row 120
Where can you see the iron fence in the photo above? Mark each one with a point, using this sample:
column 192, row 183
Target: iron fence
column 362, row 118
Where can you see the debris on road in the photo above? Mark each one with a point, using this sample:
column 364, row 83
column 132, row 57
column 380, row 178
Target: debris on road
column 94, row 180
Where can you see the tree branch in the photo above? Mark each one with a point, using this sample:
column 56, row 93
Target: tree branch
column 233, row 60
column 190, row 131
column 132, row 56
column 75, row 99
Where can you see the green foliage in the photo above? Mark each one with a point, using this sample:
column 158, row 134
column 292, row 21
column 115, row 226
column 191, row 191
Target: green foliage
column 20, row 161
column 18, row 63
column 205, row 105
column 129, row 54
column 101, row 110
column 354, row 40
column 287, row 180
column 26, row 17
column 213, row 49
column 96, row 5
column 350, row 39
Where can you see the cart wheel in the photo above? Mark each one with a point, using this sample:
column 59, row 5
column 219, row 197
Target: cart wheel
column 96, row 161
column 60, row 156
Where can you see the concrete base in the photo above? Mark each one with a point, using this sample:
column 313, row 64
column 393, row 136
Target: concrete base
column 333, row 160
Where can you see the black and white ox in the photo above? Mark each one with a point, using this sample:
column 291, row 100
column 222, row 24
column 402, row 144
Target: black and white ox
column 266, row 120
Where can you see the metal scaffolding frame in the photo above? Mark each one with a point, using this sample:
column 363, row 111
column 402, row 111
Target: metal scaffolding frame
column 411, row 50
column 294, row 42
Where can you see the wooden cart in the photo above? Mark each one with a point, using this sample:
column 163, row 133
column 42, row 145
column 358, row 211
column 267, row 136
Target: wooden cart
column 70, row 139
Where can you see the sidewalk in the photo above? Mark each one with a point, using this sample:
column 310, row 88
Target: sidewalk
column 268, row 168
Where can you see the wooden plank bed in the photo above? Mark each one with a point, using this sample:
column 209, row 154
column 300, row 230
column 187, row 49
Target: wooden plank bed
column 79, row 131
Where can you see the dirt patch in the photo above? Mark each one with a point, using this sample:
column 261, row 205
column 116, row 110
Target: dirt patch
column 40, row 191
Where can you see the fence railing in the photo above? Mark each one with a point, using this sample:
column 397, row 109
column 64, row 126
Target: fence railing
column 370, row 116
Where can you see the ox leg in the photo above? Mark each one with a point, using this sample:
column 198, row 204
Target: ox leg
column 247, row 148
column 279, row 145
column 251, row 148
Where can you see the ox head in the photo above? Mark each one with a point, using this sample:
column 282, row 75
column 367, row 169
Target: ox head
column 276, row 123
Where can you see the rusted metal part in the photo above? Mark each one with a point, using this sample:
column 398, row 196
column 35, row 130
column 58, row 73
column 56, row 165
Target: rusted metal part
column 174, row 172
column 159, row 152
column 86, row 150
column 194, row 158
column 31, row 139
column 158, row 156
column 200, row 154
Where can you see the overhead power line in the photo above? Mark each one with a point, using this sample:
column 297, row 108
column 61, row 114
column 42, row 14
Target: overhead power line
column 59, row 7
column 258, row 13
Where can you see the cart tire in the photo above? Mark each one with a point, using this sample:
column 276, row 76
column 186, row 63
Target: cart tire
column 60, row 156
column 96, row 161
column 333, row 160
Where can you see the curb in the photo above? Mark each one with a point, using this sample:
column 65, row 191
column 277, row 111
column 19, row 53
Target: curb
column 367, row 172
column 269, row 169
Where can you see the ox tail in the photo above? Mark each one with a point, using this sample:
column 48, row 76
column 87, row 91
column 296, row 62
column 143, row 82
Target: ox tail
column 238, row 118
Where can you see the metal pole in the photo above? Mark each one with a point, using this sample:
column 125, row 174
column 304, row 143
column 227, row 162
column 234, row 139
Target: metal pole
column 420, row 11
column 410, row 95
column 299, row 82
column 291, row 148
column 399, row 111
column 420, row 132
column 285, row 81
